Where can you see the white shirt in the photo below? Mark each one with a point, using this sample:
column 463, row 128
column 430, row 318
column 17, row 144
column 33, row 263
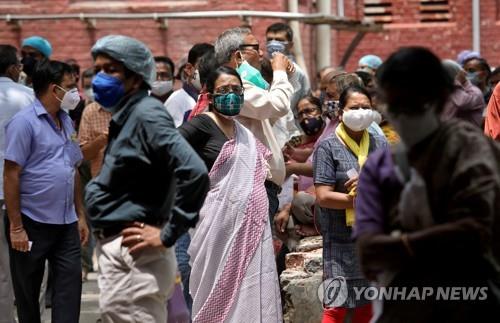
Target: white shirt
column 13, row 97
column 178, row 104
column 260, row 110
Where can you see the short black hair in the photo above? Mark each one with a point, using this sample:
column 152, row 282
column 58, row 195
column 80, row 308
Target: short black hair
column 206, row 65
column 414, row 78
column 348, row 91
column 280, row 27
column 47, row 72
column 89, row 72
column 74, row 65
column 365, row 77
column 495, row 72
column 166, row 60
column 8, row 57
column 312, row 99
column 214, row 75
column 197, row 51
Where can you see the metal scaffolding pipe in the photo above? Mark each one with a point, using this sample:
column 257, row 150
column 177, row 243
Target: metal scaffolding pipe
column 323, row 39
column 293, row 7
column 314, row 18
column 476, row 26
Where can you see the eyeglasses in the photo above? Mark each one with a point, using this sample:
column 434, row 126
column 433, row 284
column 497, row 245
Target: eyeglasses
column 229, row 89
column 255, row 47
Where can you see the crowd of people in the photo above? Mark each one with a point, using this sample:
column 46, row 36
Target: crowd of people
column 191, row 183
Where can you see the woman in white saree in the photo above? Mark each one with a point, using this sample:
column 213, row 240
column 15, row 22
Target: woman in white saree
column 233, row 276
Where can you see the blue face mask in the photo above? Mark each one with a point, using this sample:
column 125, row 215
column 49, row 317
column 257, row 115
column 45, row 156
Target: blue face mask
column 252, row 75
column 473, row 77
column 228, row 104
column 276, row 46
column 108, row 91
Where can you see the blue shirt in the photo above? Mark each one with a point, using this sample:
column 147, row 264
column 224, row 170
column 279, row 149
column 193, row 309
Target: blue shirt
column 48, row 157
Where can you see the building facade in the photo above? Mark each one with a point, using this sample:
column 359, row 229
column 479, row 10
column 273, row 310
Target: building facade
column 443, row 26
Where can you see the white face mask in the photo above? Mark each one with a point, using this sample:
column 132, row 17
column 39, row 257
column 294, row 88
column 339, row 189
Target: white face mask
column 70, row 100
column 160, row 88
column 414, row 128
column 195, row 81
column 377, row 117
column 358, row 119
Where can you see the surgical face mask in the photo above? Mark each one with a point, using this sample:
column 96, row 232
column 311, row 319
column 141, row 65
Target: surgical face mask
column 108, row 91
column 195, row 81
column 70, row 99
column 414, row 128
column 357, row 120
column 312, row 125
column 276, row 46
column 331, row 108
column 161, row 88
column 28, row 65
column 252, row 75
column 89, row 94
column 229, row 104
column 473, row 77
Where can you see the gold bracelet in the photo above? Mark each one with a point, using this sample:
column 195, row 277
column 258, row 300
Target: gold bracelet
column 406, row 243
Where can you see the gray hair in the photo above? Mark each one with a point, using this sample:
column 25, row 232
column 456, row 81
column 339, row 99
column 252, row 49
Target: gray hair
column 228, row 42
column 344, row 81
column 451, row 67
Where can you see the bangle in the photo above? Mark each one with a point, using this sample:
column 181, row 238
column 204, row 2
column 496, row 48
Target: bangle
column 406, row 243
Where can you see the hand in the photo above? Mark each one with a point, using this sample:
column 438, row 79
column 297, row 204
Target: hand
column 102, row 139
column 461, row 77
column 19, row 239
column 288, row 151
column 141, row 236
column 351, row 184
column 83, row 229
column 281, row 218
column 279, row 62
column 290, row 68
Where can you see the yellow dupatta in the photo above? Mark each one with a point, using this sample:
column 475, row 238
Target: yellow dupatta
column 361, row 152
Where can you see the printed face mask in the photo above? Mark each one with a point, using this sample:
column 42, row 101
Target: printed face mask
column 276, row 46
column 228, row 104
column 312, row 125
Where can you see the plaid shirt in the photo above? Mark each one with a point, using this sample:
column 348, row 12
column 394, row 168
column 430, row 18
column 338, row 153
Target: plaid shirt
column 95, row 122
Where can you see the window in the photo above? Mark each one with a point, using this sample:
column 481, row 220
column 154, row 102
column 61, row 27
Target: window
column 434, row 11
column 378, row 11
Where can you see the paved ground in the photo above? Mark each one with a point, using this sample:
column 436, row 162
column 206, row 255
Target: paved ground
column 90, row 297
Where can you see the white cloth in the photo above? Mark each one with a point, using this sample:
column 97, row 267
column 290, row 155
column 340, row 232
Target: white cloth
column 178, row 104
column 13, row 97
column 134, row 289
column 260, row 110
column 233, row 276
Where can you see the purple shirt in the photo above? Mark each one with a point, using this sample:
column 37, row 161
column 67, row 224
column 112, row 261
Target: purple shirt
column 48, row 157
column 377, row 184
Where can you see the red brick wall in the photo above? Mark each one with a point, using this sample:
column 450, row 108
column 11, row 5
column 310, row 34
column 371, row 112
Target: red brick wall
column 71, row 38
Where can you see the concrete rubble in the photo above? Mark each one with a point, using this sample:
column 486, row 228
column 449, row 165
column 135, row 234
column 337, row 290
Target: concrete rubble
column 300, row 282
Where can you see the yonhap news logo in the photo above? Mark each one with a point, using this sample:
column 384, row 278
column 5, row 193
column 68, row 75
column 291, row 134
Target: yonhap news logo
column 333, row 292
